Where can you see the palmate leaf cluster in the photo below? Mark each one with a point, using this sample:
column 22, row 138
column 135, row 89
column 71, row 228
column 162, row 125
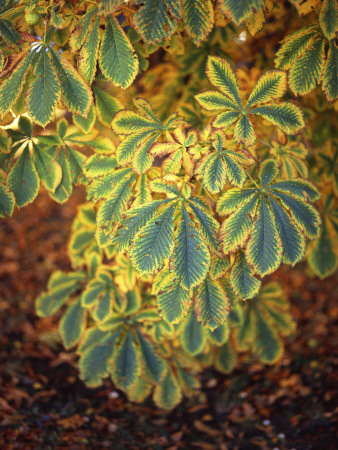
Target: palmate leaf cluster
column 202, row 174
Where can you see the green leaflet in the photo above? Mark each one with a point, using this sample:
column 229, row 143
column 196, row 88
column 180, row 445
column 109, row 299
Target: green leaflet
column 329, row 80
column 76, row 94
column 270, row 85
column 89, row 52
column 244, row 132
column 152, row 21
column 174, row 302
column 286, row 116
column 99, row 165
column 306, row 72
column 94, row 361
column 212, row 305
column 328, row 18
column 214, row 101
column 23, row 179
column 267, row 346
column 8, row 32
column 73, row 324
column 81, row 31
column 64, row 188
column 168, row 394
column 294, row 45
column 7, row 202
column 192, row 338
column 154, row 365
column 323, row 256
column 226, row 359
column 118, row 62
column 125, row 366
column 85, row 124
column 49, row 171
column 154, row 242
column 240, row 10
column 106, row 106
column 191, row 257
column 208, row 225
column 264, row 252
column 222, row 76
column 198, row 18
column 44, row 92
column 242, row 279
column 11, row 88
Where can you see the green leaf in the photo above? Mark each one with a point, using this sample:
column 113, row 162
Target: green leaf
column 167, row 394
column 269, row 86
column 152, row 21
column 8, row 32
column 154, row 242
column 208, row 225
column 192, row 338
column 215, row 101
column 44, row 92
column 226, row 359
column 23, row 179
column 212, row 305
column 64, row 188
column 94, row 361
column 285, row 115
column 7, row 202
column 294, row 45
column 328, row 18
column 237, row 227
column 81, row 31
column 263, row 251
column 244, row 132
column 191, row 256
column 49, row 171
column 222, row 76
column 323, row 256
column 125, row 367
column 306, row 72
column 174, row 303
column 11, row 88
column 154, row 365
column 106, row 106
column 233, row 199
column 240, row 10
column 330, row 79
column 118, row 60
column 85, row 124
column 98, row 165
column 76, row 94
column 73, row 324
column 266, row 345
column 89, row 52
column 301, row 189
column 267, row 172
column 242, row 279
column 198, row 19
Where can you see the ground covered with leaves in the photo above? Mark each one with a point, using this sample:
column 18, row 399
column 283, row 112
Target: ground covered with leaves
column 43, row 404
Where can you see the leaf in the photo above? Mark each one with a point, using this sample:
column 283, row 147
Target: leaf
column 240, row 10
column 106, row 106
column 98, row 165
column 212, row 305
column 270, row 85
column 64, row 188
column 323, row 256
column 89, row 52
column 330, row 80
column 76, row 94
column 226, row 359
column 285, row 115
column 152, row 21
column 294, row 45
column 242, row 279
column 268, row 172
column 7, row 202
column 81, row 31
column 154, row 242
column 306, row 72
column 23, row 180
column 198, row 19
column 244, row 132
column 49, row 171
column 208, row 225
column 85, row 124
column 8, row 32
column 73, row 324
column 328, row 18
column 44, row 92
column 191, row 256
column 11, row 88
column 222, row 76
column 117, row 59
column 267, row 346
column 192, row 338
column 167, row 393
column 263, row 250
column 214, row 101
column 125, row 366
column 173, row 303
column 154, row 365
